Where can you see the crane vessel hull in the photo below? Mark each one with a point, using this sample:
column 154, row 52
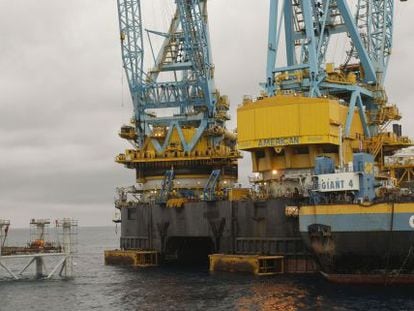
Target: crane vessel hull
column 195, row 230
column 319, row 136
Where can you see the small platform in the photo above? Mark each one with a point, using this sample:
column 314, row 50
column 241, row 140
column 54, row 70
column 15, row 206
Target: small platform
column 135, row 258
column 258, row 265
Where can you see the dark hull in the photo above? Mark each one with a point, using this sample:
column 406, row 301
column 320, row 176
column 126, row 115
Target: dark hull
column 363, row 252
column 363, row 240
column 200, row 228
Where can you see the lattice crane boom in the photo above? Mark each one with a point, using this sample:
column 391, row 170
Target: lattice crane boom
column 308, row 27
column 375, row 20
column 132, row 46
column 186, row 54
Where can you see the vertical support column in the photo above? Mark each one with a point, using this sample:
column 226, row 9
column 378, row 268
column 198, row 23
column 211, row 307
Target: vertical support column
column 234, row 205
column 151, row 206
column 341, row 149
column 288, row 157
column 39, row 267
column 4, row 227
column 1, row 240
column 1, row 237
column 67, row 247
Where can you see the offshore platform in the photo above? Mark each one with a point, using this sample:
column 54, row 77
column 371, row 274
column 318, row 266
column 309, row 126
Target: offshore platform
column 325, row 195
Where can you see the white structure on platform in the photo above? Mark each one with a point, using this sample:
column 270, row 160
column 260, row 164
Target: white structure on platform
column 64, row 249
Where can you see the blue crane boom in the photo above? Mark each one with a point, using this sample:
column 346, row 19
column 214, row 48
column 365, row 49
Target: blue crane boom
column 375, row 21
column 308, row 27
column 185, row 54
column 132, row 46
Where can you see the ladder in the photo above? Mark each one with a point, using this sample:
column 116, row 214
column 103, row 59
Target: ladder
column 209, row 193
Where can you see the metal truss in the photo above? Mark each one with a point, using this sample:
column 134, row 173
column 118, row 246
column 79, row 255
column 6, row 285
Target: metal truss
column 130, row 25
column 185, row 58
column 375, row 23
column 308, row 26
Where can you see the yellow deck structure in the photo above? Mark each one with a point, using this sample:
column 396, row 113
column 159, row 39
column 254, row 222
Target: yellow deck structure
column 289, row 132
column 174, row 153
column 238, row 194
column 282, row 121
column 135, row 258
column 192, row 169
column 258, row 265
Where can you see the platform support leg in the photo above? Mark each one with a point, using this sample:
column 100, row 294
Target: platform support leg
column 39, row 267
column 67, row 248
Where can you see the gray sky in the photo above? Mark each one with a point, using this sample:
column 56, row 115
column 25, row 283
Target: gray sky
column 62, row 100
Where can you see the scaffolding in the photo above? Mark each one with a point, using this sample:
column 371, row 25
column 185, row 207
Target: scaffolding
column 40, row 248
column 401, row 168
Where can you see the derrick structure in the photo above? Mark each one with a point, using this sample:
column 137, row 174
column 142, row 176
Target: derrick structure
column 178, row 130
column 312, row 107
